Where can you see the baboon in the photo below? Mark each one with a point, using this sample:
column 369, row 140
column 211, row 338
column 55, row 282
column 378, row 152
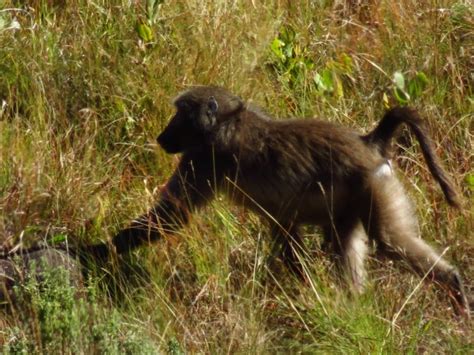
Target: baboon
column 294, row 172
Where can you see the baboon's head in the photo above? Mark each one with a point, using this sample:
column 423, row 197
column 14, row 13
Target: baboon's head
column 200, row 112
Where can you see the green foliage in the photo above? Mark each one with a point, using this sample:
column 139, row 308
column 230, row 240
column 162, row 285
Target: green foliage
column 291, row 61
column 174, row 348
column 332, row 77
column 405, row 91
column 293, row 64
column 144, row 32
column 470, row 181
column 58, row 239
column 56, row 317
column 146, row 28
column 462, row 14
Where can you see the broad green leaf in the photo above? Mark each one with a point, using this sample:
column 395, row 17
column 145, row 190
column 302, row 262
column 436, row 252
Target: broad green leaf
column 276, row 46
column 144, row 32
column 120, row 105
column 417, row 85
column 58, row 238
column 288, row 50
column 327, row 78
column 470, row 181
column 308, row 63
column 399, row 80
column 401, row 96
column 324, row 81
column 318, row 80
column 347, row 63
column 422, row 78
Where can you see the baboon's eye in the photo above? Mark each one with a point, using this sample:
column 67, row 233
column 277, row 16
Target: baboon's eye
column 182, row 105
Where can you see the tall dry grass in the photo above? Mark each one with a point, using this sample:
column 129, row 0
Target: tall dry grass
column 85, row 87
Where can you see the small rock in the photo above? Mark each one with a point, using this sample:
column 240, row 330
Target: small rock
column 17, row 268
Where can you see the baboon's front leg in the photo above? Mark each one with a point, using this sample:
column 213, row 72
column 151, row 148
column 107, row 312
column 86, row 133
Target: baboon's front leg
column 189, row 188
column 349, row 244
column 288, row 245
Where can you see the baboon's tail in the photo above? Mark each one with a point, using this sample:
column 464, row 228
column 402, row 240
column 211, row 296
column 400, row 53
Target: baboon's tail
column 382, row 135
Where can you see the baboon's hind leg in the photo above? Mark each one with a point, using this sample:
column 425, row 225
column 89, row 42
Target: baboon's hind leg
column 391, row 221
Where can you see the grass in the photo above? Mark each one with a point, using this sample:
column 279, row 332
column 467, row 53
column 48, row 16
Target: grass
column 85, row 89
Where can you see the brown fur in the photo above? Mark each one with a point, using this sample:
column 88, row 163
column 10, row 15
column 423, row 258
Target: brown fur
column 293, row 172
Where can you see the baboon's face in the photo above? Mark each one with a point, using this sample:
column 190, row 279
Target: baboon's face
column 183, row 132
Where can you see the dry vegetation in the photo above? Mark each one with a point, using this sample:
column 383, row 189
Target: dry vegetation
column 85, row 89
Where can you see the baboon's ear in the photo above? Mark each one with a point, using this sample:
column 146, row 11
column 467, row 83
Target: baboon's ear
column 212, row 106
column 209, row 119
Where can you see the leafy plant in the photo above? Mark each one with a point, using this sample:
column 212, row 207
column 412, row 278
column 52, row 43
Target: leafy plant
column 58, row 238
column 406, row 90
column 461, row 14
column 144, row 28
column 470, row 181
column 174, row 348
column 293, row 64
column 291, row 61
column 329, row 80
column 55, row 318
column 144, row 32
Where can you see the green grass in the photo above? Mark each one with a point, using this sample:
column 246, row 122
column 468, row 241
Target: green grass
column 86, row 87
